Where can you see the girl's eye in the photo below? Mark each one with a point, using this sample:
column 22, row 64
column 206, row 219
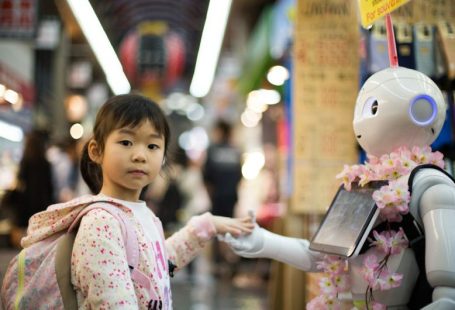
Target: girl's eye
column 153, row 146
column 125, row 142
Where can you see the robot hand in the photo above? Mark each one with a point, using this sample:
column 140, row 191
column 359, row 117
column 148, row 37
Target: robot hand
column 246, row 245
column 263, row 243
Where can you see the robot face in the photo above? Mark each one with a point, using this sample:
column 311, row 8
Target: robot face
column 398, row 107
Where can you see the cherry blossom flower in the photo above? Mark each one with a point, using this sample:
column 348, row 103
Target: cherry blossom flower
column 324, row 303
column 367, row 176
column 388, row 280
column 437, row 158
column 421, row 155
column 327, row 286
column 390, row 242
column 332, row 264
column 342, row 282
column 348, row 175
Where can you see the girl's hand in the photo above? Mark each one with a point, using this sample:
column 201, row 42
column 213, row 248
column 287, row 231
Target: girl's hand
column 234, row 226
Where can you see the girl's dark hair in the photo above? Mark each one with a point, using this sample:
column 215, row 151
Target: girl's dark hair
column 118, row 112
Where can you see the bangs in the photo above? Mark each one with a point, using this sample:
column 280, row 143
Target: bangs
column 129, row 111
column 136, row 112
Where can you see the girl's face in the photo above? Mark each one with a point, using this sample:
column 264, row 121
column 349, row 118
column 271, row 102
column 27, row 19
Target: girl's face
column 131, row 159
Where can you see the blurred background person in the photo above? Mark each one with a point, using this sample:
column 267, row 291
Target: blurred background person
column 34, row 183
column 64, row 157
column 222, row 175
column 195, row 198
column 64, row 160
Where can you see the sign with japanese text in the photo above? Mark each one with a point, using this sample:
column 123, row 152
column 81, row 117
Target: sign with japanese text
column 326, row 58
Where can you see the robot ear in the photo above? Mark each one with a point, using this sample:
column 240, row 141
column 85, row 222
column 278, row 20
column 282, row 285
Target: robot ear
column 423, row 110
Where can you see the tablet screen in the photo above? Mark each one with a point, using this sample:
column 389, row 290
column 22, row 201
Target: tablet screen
column 348, row 221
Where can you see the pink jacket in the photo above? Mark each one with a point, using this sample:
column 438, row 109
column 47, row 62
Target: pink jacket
column 99, row 269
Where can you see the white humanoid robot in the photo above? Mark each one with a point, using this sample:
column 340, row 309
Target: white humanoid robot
column 396, row 107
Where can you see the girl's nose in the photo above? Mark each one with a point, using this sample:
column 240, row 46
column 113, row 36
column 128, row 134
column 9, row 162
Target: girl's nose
column 139, row 154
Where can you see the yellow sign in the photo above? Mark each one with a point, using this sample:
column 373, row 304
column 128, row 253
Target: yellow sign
column 372, row 10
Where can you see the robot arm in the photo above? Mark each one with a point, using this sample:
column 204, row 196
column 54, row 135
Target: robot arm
column 263, row 243
column 437, row 211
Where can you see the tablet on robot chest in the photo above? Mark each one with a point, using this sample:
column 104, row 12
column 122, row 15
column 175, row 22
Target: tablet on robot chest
column 348, row 221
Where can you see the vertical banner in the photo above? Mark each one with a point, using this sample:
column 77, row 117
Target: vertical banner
column 326, row 54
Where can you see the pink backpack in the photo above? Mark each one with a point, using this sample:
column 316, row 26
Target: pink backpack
column 39, row 277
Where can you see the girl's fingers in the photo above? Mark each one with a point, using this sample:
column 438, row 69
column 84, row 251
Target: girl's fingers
column 236, row 232
column 245, row 228
column 247, row 219
column 236, row 226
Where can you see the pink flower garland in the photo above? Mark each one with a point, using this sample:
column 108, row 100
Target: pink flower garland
column 393, row 201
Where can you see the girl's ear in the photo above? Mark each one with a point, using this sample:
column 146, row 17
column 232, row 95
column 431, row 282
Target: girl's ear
column 94, row 152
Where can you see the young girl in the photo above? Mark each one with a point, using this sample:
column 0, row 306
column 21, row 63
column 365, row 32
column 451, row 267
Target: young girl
column 128, row 150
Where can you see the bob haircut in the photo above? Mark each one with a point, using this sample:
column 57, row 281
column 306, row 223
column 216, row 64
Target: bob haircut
column 121, row 111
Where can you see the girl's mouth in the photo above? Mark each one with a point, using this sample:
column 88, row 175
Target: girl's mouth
column 137, row 172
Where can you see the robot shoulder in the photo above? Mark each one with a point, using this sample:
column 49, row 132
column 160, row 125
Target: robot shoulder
column 429, row 183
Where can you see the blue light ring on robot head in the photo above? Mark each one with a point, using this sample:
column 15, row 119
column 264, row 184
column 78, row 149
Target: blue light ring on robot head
column 434, row 108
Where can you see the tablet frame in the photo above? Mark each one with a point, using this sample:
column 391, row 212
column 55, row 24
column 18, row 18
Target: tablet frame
column 366, row 227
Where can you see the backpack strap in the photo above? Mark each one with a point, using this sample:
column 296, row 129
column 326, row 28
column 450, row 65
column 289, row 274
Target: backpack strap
column 65, row 249
column 63, row 270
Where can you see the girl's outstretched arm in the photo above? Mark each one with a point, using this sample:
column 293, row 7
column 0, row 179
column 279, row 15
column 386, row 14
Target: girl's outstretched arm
column 185, row 244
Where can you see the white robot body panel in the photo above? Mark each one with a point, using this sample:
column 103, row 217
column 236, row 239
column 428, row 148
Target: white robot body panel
column 440, row 256
column 423, row 180
column 443, row 299
column 438, row 213
column 404, row 263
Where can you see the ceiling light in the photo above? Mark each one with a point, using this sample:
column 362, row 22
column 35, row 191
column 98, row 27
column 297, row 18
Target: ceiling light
column 11, row 96
column 210, row 46
column 99, row 43
column 11, row 132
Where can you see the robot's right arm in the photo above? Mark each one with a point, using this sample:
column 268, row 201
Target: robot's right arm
column 434, row 199
column 263, row 243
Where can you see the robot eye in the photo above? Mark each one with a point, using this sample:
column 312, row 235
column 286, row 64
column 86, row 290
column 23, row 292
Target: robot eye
column 370, row 108
column 374, row 107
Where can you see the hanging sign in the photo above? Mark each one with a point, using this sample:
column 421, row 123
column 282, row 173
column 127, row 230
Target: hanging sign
column 326, row 69
column 372, row 10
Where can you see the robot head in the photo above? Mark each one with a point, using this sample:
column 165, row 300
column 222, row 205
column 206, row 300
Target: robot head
column 398, row 107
